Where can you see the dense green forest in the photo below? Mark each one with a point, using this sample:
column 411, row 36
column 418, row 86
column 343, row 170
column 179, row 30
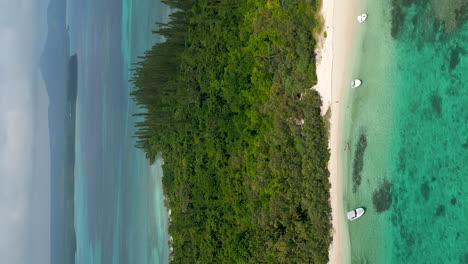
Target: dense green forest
column 244, row 145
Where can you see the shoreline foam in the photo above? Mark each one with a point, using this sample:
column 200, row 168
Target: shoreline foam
column 333, row 73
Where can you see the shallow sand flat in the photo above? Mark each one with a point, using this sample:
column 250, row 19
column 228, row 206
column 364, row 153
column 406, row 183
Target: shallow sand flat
column 334, row 59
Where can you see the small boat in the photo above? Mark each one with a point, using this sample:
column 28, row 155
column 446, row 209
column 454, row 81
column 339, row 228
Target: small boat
column 361, row 18
column 356, row 83
column 346, row 147
column 355, row 214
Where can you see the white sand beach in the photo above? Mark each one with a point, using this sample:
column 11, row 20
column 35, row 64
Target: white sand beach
column 334, row 58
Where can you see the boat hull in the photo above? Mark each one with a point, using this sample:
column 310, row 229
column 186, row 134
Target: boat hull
column 355, row 214
column 362, row 18
column 356, row 83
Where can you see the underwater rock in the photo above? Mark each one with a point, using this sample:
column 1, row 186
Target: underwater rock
column 452, row 16
column 358, row 163
column 436, row 103
column 425, row 190
column 382, row 196
column 398, row 18
column 453, row 201
column 455, row 54
column 402, row 160
column 465, row 145
column 464, row 258
column 440, row 210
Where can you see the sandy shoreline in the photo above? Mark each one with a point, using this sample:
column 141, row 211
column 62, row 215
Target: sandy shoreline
column 333, row 73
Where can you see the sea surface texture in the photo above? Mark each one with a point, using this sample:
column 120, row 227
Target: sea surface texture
column 120, row 215
column 407, row 128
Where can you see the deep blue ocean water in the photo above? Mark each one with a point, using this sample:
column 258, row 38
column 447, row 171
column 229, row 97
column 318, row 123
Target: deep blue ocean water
column 119, row 206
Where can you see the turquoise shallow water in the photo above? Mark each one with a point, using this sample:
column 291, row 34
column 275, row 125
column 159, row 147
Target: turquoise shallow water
column 411, row 117
column 119, row 203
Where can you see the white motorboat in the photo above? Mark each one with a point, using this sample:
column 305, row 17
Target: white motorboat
column 355, row 214
column 356, row 83
column 361, row 18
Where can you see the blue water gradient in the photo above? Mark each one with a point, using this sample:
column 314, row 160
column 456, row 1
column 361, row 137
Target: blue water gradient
column 119, row 205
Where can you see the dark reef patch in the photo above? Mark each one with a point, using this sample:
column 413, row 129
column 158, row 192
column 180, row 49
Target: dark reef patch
column 464, row 258
column 393, row 220
column 465, row 145
column 453, row 201
column 461, row 15
column 358, row 163
column 455, row 57
column 425, row 190
column 414, row 20
column 452, row 14
column 401, row 160
column 382, row 196
column 436, row 103
column 436, row 26
column 452, row 90
column 398, row 15
column 440, row 210
column 398, row 18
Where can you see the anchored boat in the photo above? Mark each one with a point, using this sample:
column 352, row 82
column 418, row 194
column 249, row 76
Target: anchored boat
column 356, row 83
column 355, row 214
column 361, row 18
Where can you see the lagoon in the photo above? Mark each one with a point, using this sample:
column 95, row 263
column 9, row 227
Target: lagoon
column 411, row 109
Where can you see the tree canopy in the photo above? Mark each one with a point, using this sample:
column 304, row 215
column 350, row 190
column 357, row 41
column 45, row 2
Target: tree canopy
column 245, row 148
